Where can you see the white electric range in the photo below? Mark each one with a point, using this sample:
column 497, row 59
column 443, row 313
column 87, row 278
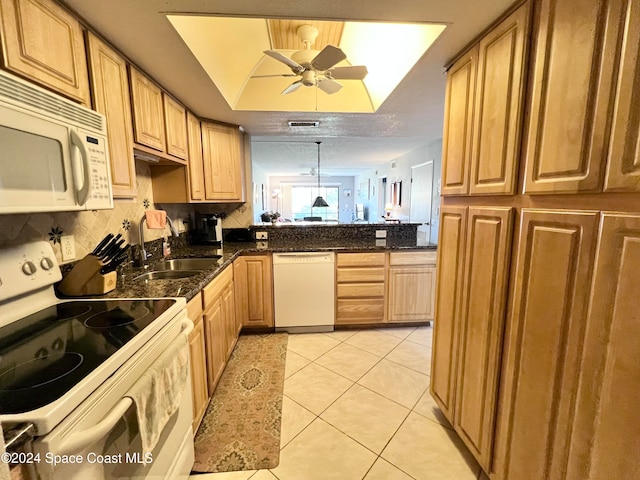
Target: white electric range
column 66, row 367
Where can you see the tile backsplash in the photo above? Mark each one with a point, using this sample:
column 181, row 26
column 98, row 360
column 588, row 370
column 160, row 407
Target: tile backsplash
column 88, row 228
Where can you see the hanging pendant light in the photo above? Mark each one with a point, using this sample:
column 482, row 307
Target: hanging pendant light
column 319, row 201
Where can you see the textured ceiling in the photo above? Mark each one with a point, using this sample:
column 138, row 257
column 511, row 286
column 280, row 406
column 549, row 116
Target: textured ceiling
column 410, row 117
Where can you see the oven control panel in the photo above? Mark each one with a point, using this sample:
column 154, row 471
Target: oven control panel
column 26, row 268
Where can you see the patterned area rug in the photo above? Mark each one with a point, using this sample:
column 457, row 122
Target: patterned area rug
column 241, row 427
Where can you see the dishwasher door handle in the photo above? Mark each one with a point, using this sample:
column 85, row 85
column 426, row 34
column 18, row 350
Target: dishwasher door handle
column 303, row 255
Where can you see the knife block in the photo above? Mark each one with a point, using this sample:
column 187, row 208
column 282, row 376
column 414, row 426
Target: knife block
column 85, row 279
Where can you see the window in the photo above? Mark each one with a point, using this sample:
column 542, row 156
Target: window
column 302, row 198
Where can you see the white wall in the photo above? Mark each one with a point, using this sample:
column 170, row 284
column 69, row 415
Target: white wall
column 402, row 172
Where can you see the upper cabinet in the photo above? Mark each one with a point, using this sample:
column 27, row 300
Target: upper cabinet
column 159, row 121
column 497, row 114
column 30, row 29
column 572, row 95
column 223, row 162
column 458, row 118
column 147, row 111
column 623, row 170
column 483, row 111
column 110, row 87
column 175, row 126
column 195, row 166
column 215, row 170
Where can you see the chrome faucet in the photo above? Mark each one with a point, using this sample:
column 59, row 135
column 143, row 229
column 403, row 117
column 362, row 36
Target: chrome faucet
column 143, row 253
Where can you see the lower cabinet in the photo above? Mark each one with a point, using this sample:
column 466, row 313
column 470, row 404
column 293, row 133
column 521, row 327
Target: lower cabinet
column 546, row 325
column 604, row 441
column 444, row 360
column 197, row 355
column 220, row 325
column 412, row 280
column 469, row 326
column 541, row 383
column 253, row 280
column 484, row 293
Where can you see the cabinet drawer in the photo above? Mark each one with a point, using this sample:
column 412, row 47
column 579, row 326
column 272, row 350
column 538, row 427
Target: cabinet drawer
column 216, row 286
column 364, row 274
column 347, row 290
column 352, row 310
column 413, row 258
column 368, row 259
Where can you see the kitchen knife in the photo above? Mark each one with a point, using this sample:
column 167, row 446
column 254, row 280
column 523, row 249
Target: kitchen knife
column 117, row 260
column 112, row 248
column 102, row 244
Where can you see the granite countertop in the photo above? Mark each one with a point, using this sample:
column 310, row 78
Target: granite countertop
column 190, row 286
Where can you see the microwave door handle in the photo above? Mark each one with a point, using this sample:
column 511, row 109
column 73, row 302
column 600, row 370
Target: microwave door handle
column 80, row 440
column 83, row 193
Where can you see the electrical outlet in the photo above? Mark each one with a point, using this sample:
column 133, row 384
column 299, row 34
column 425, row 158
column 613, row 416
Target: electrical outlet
column 262, row 236
column 381, row 234
column 68, row 247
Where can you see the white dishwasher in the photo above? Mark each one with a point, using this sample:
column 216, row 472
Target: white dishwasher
column 304, row 291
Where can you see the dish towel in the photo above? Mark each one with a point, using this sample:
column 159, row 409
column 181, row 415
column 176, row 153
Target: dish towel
column 156, row 219
column 158, row 392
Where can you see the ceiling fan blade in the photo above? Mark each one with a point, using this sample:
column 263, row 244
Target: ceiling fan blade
column 348, row 73
column 327, row 58
column 276, row 75
column 329, row 86
column 292, row 88
column 296, row 67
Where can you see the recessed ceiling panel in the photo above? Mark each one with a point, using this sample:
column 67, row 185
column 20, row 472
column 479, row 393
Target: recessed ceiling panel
column 231, row 51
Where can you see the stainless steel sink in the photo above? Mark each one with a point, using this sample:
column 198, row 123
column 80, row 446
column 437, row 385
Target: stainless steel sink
column 167, row 274
column 186, row 264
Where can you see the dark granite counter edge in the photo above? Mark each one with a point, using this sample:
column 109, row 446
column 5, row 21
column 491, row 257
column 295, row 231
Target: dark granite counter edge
column 191, row 286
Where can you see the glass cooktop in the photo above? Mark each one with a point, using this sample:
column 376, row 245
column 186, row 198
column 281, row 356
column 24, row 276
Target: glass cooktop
column 45, row 354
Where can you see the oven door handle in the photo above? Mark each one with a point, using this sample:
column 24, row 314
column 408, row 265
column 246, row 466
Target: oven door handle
column 80, row 440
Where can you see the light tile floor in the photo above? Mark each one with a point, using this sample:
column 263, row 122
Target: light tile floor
column 357, row 407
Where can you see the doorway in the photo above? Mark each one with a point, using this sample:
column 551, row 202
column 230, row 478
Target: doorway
column 421, row 194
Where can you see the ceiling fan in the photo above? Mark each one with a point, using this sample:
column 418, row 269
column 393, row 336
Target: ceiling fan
column 315, row 68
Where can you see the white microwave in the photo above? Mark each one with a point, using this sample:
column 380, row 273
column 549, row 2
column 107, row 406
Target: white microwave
column 53, row 152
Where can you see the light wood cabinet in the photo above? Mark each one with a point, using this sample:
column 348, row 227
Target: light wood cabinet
column 148, row 114
column 548, row 315
column 195, row 169
column 110, row 86
column 360, row 287
column 215, row 333
column 623, row 168
column 605, row 431
column 223, row 163
column 497, row 113
column 450, row 271
column 44, row 42
column 484, row 289
column 574, row 66
column 221, row 332
column 175, row 127
column 411, row 286
column 253, row 279
column 198, row 358
column 458, row 124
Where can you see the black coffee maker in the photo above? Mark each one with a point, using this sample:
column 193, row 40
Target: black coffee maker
column 209, row 229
